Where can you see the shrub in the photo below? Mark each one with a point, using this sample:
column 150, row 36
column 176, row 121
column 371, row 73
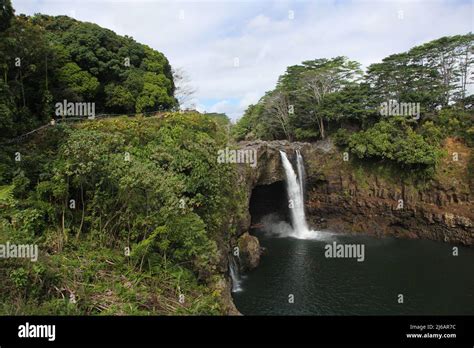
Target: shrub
column 394, row 140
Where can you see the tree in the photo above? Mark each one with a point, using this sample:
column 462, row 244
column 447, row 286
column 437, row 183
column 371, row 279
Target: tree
column 112, row 61
column 251, row 124
column 118, row 98
column 24, row 49
column 313, row 81
column 277, row 112
column 154, row 95
column 184, row 91
column 47, row 59
column 465, row 58
column 434, row 74
column 353, row 105
column 6, row 14
column 7, row 108
column 81, row 84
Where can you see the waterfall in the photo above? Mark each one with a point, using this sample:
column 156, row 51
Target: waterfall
column 301, row 172
column 296, row 198
column 234, row 275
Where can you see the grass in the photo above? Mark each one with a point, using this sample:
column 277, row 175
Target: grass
column 99, row 281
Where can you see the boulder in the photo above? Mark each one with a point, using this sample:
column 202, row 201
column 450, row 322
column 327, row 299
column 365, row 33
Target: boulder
column 249, row 250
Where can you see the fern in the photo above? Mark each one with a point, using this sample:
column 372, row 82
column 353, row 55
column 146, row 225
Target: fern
column 6, row 194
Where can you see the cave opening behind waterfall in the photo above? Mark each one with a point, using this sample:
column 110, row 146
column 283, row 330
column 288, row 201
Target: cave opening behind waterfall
column 269, row 206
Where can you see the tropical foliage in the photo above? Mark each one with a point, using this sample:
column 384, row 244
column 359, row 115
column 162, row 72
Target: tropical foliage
column 45, row 60
column 331, row 97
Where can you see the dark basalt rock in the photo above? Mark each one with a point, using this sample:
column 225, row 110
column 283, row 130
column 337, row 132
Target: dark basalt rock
column 250, row 251
column 335, row 192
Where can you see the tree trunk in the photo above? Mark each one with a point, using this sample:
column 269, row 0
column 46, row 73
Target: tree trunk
column 83, row 213
column 323, row 135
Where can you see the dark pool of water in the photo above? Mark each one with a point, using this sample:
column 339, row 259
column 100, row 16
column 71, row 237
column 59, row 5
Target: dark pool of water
column 431, row 279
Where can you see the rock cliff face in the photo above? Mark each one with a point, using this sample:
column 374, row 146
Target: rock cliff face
column 267, row 171
column 345, row 197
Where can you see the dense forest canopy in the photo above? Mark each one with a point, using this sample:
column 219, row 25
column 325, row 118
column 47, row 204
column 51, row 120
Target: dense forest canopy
column 332, row 97
column 45, row 60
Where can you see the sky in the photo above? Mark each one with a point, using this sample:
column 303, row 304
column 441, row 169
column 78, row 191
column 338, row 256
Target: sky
column 234, row 50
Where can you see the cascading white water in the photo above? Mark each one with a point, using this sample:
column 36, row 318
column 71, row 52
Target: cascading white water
column 295, row 196
column 234, row 275
column 301, row 172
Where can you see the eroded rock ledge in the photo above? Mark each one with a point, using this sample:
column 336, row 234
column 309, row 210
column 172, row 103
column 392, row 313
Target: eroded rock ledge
column 346, row 198
column 343, row 197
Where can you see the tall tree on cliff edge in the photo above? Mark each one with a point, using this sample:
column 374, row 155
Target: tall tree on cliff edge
column 327, row 94
column 434, row 74
column 309, row 84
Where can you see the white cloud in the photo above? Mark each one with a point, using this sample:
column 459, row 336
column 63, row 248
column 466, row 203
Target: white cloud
column 220, row 106
column 249, row 98
column 258, row 22
column 263, row 37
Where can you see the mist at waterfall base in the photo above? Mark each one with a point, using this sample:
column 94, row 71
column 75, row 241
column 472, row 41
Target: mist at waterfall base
column 295, row 190
column 431, row 280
